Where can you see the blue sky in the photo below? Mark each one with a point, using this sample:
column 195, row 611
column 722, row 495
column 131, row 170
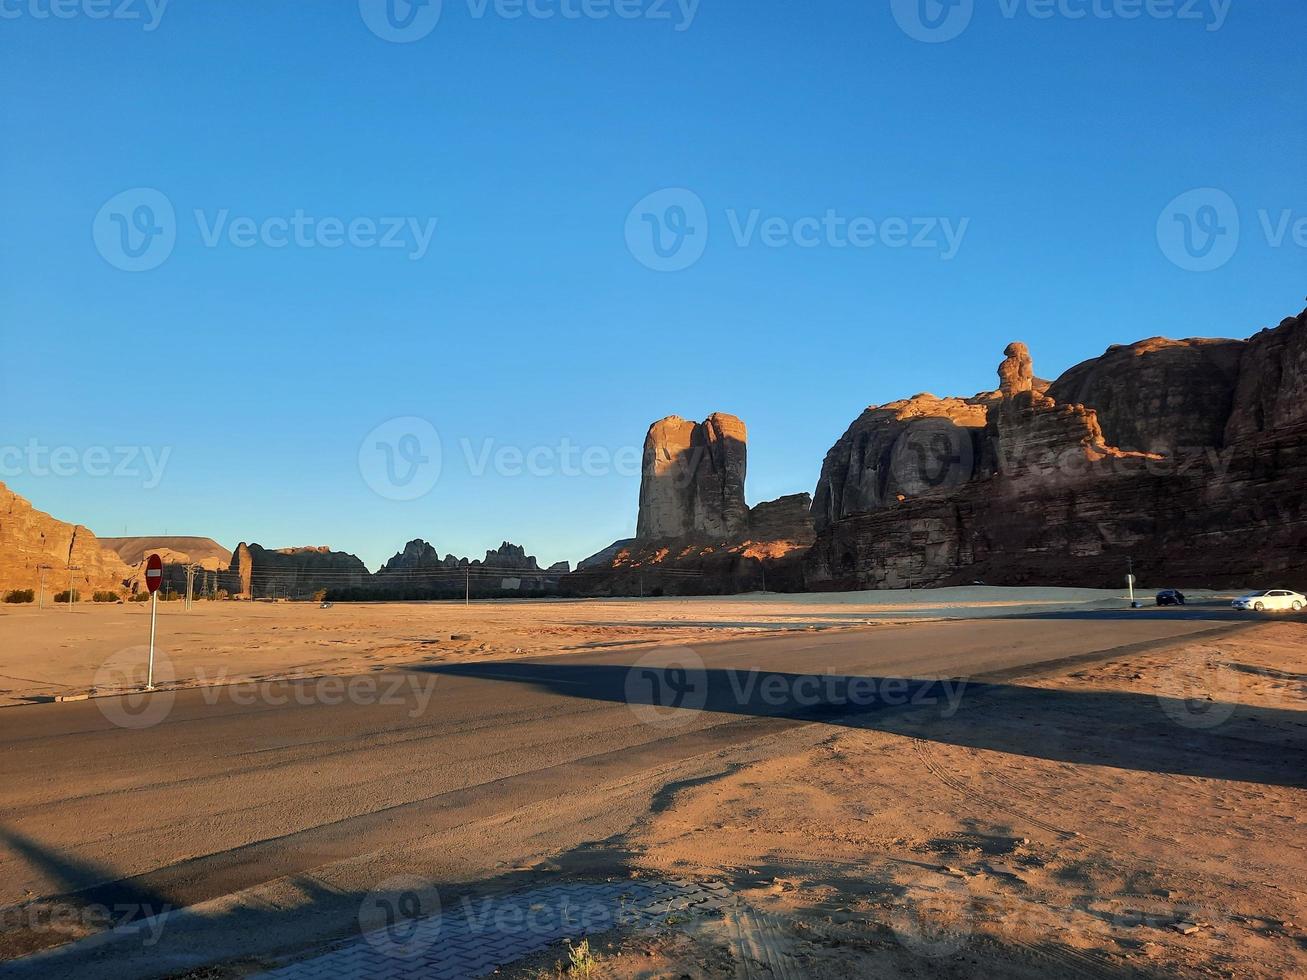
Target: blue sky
column 1052, row 145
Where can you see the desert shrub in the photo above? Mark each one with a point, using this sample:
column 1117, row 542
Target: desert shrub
column 19, row 596
column 140, row 597
column 75, row 596
column 105, row 597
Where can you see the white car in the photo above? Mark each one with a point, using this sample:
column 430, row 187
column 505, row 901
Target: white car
column 1271, row 599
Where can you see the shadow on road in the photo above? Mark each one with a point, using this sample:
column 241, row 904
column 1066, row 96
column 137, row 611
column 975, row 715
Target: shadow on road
column 1193, row 735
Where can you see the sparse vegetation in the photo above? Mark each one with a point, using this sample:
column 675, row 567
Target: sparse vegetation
column 105, row 597
column 140, row 597
column 75, row 596
column 20, row 596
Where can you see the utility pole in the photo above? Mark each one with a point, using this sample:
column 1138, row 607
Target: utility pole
column 71, row 594
column 40, row 598
column 190, row 585
column 467, row 585
column 762, row 566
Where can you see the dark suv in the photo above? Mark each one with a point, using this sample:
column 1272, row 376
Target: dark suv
column 1170, row 597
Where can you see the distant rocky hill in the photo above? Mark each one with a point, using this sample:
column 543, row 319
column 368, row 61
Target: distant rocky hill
column 180, row 549
column 30, row 539
column 1189, row 457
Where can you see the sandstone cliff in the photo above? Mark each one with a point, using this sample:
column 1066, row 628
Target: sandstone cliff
column 692, row 479
column 899, row 450
column 30, row 538
column 1158, row 395
column 1272, row 389
column 1051, row 499
column 291, row 573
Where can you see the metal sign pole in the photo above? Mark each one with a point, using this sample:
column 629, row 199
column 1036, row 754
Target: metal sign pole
column 154, row 615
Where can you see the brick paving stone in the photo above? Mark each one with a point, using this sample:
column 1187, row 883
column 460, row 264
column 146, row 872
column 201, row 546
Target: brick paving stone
column 455, row 946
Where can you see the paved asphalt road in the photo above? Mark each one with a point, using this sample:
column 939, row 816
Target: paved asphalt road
column 238, row 788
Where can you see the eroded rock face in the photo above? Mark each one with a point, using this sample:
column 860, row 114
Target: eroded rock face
column 1054, row 502
column 692, row 480
column 292, row 573
column 1271, row 392
column 786, row 519
column 903, row 449
column 1017, row 373
column 30, row 538
column 1158, row 395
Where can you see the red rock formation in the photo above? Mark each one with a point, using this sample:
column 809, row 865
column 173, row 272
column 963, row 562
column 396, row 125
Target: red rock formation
column 692, row 483
column 30, row 538
column 1053, row 502
column 1272, row 389
column 1158, row 395
column 899, row 450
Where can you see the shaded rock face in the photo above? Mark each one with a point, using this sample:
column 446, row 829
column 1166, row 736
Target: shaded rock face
column 1053, row 501
column 418, row 572
column 692, row 479
column 1271, row 392
column 291, row 573
column 902, row 449
column 785, row 519
column 1158, row 395
column 30, row 538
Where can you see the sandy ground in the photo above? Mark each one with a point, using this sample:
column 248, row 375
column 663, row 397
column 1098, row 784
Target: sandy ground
column 58, row 651
column 986, row 845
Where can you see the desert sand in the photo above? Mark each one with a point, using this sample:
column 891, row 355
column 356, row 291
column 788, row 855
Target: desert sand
column 907, row 851
column 62, row 652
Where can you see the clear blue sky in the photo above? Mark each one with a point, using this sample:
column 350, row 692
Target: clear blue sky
column 528, row 320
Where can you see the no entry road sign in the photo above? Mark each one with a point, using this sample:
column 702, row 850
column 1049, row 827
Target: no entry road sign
column 154, row 573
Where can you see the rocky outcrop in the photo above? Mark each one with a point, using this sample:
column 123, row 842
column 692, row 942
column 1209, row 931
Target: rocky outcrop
column 71, row 554
column 786, row 519
column 178, row 549
column 291, row 573
column 1053, row 501
column 1158, row 395
column 692, row 480
column 1271, row 392
column 900, row 450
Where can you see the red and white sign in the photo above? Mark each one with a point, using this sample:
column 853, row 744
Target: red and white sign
column 154, row 573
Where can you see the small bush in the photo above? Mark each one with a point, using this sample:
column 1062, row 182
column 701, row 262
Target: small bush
column 140, row 597
column 65, row 596
column 19, row 596
column 105, row 597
